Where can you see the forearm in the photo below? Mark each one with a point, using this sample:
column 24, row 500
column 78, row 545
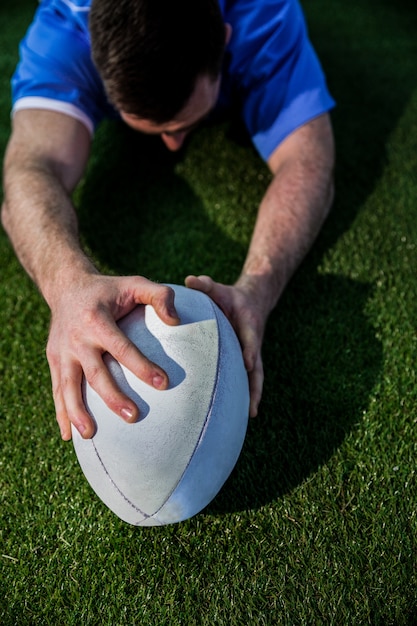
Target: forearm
column 37, row 211
column 289, row 219
column 290, row 216
column 41, row 223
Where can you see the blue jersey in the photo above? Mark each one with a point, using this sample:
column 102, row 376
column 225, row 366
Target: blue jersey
column 270, row 69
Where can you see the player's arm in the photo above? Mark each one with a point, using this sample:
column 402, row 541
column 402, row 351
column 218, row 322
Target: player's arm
column 293, row 209
column 290, row 216
column 45, row 158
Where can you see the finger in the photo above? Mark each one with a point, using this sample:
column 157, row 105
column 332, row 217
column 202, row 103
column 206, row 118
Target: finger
column 256, row 379
column 163, row 301
column 71, row 378
column 126, row 353
column 103, row 383
column 218, row 292
column 200, row 283
column 60, row 411
column 250, row 343
column 160, row 297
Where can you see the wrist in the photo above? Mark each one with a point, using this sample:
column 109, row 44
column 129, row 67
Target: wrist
column 65, row 274
column 263, row 287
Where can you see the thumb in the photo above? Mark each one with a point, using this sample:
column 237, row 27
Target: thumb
column 160, row 297
column 201, row 283
column 221, row 294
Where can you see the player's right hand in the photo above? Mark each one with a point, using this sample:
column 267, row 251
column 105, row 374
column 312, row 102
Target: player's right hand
column 83, row 328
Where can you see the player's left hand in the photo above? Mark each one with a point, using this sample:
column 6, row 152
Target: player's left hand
column 247, row 318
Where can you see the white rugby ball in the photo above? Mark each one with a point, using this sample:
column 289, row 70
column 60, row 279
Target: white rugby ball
column 172, row 462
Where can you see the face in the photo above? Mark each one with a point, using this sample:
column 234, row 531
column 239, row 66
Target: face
column 173, row 133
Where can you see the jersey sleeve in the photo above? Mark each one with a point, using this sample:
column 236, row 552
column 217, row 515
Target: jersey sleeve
column 55, row 70
column 274, row 70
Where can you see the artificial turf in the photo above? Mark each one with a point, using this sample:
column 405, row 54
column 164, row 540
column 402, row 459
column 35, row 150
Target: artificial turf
column 317, row 524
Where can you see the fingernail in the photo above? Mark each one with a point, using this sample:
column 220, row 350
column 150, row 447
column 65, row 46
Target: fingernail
column 127, row 414
column 81, row 428
column 158, row 381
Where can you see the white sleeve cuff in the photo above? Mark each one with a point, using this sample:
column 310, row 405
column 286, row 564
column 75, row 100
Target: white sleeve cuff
column 48, row 104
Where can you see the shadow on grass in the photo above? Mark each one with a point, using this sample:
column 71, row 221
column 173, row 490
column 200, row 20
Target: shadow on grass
column 322, row 362
column 138, row 216
column 369, row 55
column 322, row 359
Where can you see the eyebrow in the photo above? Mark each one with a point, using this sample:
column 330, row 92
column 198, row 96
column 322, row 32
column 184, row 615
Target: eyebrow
column 183, row 129
column 190, row 127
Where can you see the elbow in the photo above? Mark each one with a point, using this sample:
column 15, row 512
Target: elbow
column 329, row 197
column 328, row 169
column 5, row 215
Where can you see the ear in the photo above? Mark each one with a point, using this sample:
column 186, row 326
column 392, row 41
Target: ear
column 228, row 32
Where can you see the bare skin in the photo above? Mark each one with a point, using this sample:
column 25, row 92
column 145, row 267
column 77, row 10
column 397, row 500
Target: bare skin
column 45, row 159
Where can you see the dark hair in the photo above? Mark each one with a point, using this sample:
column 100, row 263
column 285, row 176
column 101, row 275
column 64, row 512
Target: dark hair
column 150, row 53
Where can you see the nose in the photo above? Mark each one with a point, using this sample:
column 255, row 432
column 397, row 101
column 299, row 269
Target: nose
column 173, row 141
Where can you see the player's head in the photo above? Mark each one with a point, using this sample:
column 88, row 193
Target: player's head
column 151, row 54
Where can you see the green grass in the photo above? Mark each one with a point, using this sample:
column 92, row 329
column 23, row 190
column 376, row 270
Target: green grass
column 318, row 523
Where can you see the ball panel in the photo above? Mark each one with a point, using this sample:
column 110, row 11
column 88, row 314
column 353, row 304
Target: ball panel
column 100, row 481
column 158, row 447
column 222, row 439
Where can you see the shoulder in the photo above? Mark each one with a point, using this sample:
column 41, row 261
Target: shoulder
column 73, row 12
column 273, row 70
column 55, row 70
column 259, row 24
